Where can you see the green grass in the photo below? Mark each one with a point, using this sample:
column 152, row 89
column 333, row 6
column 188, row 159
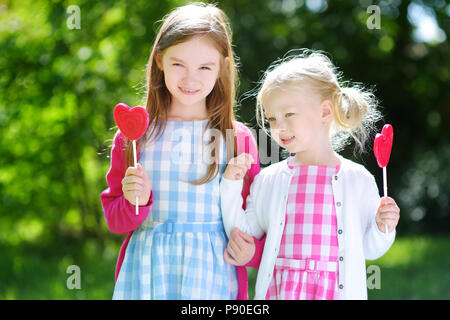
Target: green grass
column 414, row 268
column 38, row 272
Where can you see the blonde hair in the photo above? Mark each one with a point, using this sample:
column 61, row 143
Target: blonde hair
column 180, row 25
column 355, row 109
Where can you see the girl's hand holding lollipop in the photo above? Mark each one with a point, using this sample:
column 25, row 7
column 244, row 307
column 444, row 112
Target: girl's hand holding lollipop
column 133, row 123
column 388, row 212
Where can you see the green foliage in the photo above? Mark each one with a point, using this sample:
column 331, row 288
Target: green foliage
column 58, row 87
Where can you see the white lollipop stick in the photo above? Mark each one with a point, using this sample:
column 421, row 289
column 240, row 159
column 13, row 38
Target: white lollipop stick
column 135, row 165
column 385, row 192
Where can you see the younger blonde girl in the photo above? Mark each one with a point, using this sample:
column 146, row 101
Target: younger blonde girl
column 321, row 213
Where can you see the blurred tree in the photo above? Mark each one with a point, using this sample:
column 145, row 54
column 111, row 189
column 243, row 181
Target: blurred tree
column 59, row 86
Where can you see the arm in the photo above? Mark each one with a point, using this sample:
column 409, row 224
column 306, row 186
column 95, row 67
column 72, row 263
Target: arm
column 246, row 143
column 232, row 212
column 119, row 213
column 376, row 242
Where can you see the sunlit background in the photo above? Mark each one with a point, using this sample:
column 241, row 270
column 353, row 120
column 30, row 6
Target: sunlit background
column 58, row 87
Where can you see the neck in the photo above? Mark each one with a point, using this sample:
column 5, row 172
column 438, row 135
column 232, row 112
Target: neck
column 180, row 112
column 323, row 155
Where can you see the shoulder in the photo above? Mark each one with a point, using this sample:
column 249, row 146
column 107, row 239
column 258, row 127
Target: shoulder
column 245, row 141
column 119, row 139
column 357, row 171
column 273, row 171
column 242, row 129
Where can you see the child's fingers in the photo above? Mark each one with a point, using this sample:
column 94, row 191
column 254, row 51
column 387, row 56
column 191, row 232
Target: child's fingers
column 132, row 179
column 245, row 237
column 240, row 167
column 238, row 172
column 234, row 232
column 132, row 195
column 231, row 255
column 133, row 187
column 132, row 171
column 228, row 259
column 239, row 175
column 132, row 184
column 241, row 243
column 387, row 201
column 234, row 246
column 388, row 209
column 248, row 160
column 242, row 159
column 389, row 217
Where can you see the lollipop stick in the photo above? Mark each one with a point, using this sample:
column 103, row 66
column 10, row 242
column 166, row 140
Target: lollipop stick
column 385, row 192
column 135, row 165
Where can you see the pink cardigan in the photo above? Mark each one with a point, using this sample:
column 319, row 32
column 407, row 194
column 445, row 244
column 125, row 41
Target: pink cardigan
column 121, row 217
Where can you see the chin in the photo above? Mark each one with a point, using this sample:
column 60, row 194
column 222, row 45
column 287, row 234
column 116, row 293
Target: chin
column 293, row 149
column 189, row 101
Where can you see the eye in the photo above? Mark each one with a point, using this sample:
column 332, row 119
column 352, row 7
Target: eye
column 205, row 68
column 289, row 114
column 177, row 64
column 271, row 119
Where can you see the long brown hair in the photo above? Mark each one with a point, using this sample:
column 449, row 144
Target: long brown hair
column 180, row 25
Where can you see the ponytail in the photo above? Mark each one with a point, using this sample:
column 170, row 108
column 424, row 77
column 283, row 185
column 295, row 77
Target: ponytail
column 355, row 115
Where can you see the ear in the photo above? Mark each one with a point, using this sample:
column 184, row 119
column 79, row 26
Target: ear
column 327, row 111
column 158, row 61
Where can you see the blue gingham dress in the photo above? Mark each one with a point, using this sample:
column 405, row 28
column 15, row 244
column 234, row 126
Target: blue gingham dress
column 177, row 252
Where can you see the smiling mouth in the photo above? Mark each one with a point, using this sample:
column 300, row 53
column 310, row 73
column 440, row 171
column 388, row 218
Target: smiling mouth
column 188, row 91
column 287, row 140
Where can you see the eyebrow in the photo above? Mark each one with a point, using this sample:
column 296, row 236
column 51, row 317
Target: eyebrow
column 203, row 64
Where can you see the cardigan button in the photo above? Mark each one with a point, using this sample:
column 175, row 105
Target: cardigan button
column 341, row 258
column 335, row 177
column 338, row 204
column 341, row 286
column 340, row 231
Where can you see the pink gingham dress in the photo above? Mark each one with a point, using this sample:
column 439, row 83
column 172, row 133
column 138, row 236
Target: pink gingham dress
column 307, row 263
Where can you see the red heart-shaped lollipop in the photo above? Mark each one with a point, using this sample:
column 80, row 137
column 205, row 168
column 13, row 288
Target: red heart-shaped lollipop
column 382, row 145
column 132, row 122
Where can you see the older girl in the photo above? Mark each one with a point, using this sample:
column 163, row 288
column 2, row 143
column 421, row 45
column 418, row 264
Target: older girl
column 174, row 245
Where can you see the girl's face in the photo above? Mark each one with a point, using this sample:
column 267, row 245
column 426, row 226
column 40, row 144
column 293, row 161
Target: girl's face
column 191, row 69
column 298, row 117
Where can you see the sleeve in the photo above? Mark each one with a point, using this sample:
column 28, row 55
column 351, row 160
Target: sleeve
column 376, row 243
column 259, row 248
column 120, row 214
column 250, row 146
column 232, row 212
column 247, row 143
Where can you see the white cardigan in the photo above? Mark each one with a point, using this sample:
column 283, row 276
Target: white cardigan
column 356, row 200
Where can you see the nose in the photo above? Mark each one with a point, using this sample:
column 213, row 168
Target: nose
column 190, row 75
